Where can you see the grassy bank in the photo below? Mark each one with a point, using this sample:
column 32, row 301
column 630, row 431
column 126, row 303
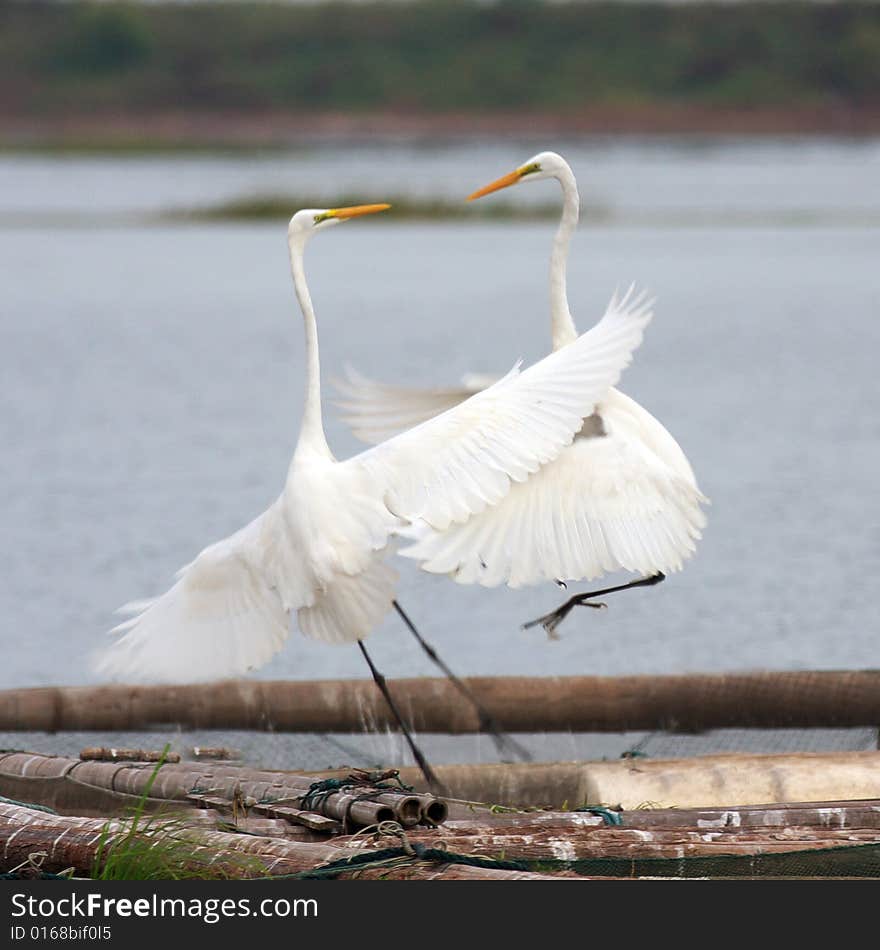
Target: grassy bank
column 185, row 69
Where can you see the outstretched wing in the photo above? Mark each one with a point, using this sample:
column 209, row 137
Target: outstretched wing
column 221, row 618
column 229, row 610
column 465, row 459
column 377, row 411
column 608, row 502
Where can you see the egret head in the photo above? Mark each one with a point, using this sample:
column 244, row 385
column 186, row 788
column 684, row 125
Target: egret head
column 309, row 221
column 538, row 167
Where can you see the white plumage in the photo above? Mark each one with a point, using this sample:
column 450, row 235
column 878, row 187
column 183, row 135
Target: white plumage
column 319, row 549
column 622, row 496
column 607, row 502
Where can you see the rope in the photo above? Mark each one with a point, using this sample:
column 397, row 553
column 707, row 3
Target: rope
column 407, row 853
column 360, row 862
column 606, row 814
column 318, row 792
column 32, row 868
column 33, row 875
column 12, row 801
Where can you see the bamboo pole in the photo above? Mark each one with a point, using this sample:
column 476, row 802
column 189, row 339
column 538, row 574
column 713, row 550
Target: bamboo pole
column 73, row 842
column 770, row 817
column 685, row 703
column 73, row 785
column 707, row 782
column 532, row 843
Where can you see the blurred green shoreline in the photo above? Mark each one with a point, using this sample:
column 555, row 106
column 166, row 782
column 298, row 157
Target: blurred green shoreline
column 404, row 210
column 234, row 134
column 123, row 76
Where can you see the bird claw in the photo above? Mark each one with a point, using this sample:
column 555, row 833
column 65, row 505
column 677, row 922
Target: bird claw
column 552, row 620
column 549, row 622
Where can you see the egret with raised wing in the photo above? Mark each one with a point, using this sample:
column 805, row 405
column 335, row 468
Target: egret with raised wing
column 623, row 496
column 319, row 551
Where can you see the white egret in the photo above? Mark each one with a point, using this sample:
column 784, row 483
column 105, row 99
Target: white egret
column 319, row 550
column 622, row 496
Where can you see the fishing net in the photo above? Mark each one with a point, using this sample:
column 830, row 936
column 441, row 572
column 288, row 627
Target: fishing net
column 313, row 752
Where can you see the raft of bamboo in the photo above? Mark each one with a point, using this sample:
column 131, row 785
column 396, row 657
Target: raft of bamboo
column 800, row 814
column 66, row 815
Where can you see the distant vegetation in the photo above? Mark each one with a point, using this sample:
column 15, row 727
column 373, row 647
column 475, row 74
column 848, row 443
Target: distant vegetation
column 433, row 57
column 269, row 207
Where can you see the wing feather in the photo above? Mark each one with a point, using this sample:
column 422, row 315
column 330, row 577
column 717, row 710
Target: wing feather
column 318, row 549
column 464, row 460
column 377, row 411
column 220, row 618
column 608, row 502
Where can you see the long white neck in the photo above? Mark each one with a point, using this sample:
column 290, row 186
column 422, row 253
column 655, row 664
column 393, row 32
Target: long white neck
column 311, row 434
column 562, row 328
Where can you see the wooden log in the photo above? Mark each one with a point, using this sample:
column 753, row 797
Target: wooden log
column 864, row 814
column 216, row 753
column 842, row 815
column 686, row 703
column 41, row 779
column 540, row 845
column 72, row 842
column 708, row 782
column 431, row 871
column 102, row 754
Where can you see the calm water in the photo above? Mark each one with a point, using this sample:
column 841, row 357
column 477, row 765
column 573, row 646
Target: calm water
column 151, row 384
column 819, row 178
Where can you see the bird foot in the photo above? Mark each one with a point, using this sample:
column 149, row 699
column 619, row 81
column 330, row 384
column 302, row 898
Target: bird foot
column 552, row 620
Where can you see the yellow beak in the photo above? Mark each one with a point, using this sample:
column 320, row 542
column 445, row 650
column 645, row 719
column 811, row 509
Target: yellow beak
column 504, row 182
column 355, row 211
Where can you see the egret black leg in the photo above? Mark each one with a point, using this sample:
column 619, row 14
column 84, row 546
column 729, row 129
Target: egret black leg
column 434, row 783
column 552, row 620
column 504, row 743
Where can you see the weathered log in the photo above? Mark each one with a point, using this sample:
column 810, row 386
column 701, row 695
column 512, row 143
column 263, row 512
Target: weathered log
column 215, row 753
column 686, row 703
column 856, row 814
column 102, row 754
column 532, row 844
column 842, row 815
column 44, row 779
column 431, row 871
column 71, row 842
column 708, row 782
column 74, row 842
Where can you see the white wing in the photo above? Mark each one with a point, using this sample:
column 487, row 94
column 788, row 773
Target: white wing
column 610, row 501
column 319, row 551
column 460, row 462
column 377, row 411
column 221, row 618
column 349, row 608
